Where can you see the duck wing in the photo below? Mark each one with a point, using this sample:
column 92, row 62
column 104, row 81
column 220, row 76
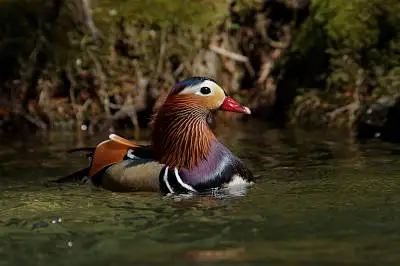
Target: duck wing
column 123, row 167
column 109, row 152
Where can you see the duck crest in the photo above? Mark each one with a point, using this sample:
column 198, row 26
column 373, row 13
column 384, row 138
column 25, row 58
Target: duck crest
column 187, row 83
column 181, row 136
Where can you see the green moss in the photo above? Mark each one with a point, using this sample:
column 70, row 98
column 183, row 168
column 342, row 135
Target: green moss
column 351, row 46
column 164, row 13
column 346, row 50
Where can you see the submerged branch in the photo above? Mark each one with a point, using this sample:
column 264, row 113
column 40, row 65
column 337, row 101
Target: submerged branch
column 231, row 55
column 235, row 57
column 350, row 108
column 89, row 19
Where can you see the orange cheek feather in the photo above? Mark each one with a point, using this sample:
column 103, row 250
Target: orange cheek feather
column 210, row 102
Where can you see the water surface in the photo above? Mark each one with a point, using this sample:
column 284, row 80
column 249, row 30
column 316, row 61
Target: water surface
column 321, row 199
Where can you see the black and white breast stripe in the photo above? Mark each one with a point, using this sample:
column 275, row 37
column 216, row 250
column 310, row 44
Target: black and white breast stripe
column 171, row 182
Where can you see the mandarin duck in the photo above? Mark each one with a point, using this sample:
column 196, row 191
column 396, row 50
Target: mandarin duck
column 184, row 156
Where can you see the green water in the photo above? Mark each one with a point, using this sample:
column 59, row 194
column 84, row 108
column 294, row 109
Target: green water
column 321, row 199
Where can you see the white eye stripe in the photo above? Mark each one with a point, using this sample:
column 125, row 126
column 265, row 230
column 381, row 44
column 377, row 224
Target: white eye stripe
column 196, row 88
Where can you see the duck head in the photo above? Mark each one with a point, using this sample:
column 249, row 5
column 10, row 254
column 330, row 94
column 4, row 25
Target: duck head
column 181, row 136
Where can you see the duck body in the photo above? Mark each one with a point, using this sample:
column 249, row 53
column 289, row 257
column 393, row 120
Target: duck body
column 140, row 171
column 185, row 156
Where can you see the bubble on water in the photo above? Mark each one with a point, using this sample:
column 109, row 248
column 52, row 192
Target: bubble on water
column 112, row 12
column 56, row 220
column 69, row 243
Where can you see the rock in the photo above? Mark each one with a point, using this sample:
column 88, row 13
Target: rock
column 40, row 225
column 380, row 119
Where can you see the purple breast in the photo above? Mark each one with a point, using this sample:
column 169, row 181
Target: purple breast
column 213, row 171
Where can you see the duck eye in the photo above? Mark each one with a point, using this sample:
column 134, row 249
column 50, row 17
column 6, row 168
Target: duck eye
column 205, row 90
